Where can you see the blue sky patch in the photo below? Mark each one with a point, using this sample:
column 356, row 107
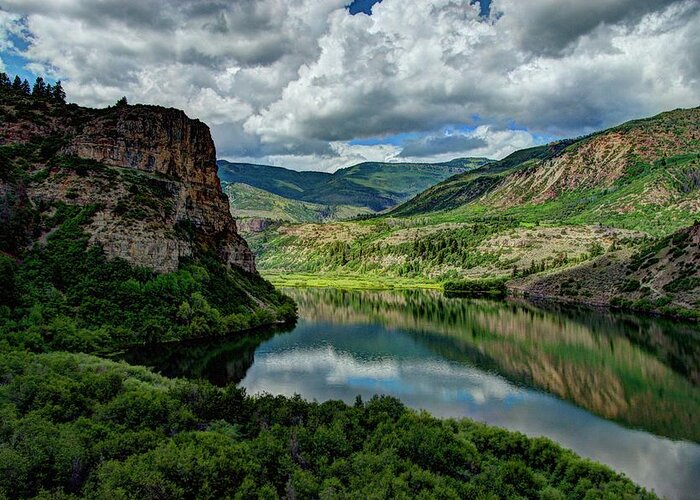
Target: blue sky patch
column 362, row 6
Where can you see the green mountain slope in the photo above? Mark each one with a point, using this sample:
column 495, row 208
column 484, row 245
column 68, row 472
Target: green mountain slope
column 248, row 202
column 643, row 174
column 372, row 185
column 464, row 188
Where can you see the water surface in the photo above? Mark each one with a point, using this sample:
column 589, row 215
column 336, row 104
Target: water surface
column 620, row 389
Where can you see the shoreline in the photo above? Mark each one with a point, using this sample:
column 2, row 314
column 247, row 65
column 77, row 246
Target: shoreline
column 349, row 282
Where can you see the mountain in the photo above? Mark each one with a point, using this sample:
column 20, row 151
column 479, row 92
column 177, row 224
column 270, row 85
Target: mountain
column 113, row 223
column 539, row 210
column 643, row 174
column 370, row 185
column 248, row 202
column 114, row 232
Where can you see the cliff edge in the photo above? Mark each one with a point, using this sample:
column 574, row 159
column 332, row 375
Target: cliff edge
column 149, row 172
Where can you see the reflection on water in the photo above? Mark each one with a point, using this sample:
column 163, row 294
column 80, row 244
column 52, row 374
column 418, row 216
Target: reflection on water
column 610, row 387
column 221, row 361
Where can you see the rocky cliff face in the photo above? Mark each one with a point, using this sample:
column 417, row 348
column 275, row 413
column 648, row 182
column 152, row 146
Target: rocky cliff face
column 150, row 172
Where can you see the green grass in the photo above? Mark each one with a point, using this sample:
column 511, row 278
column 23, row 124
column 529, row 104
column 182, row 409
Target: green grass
column 347, row 281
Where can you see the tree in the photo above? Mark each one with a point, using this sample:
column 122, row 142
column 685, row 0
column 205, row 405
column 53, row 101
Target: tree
column 39, row 89
column 58, row 93
column 25, row 88
column 122, row 102
column 5, row 80
column 17, row 83
column 595, row 249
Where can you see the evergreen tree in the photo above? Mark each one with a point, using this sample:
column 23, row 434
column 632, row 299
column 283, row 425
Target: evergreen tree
column 122, row 102
column 48, row 91
column 58, row 93
column 39, row 89
column 17, row 84
column 5, row 80
column 25, row 88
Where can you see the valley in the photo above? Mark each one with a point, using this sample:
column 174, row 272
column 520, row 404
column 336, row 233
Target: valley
column 372, row 249
column 538, row 216
column 116, row 234
column 275, row 193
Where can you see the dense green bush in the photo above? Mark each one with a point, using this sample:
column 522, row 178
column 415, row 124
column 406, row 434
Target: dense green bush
column 494, row 287
column 683, row 284
column 75, row 424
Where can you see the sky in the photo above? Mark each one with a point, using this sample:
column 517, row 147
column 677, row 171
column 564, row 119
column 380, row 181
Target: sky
column 320, row 84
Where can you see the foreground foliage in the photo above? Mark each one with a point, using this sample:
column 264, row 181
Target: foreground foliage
column 78, row 425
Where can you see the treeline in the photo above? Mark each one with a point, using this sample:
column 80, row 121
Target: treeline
column 562, row 259
column 492, row 287
column 39, row 89
column 452, row 248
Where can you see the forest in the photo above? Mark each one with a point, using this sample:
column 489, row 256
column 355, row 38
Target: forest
column 76, row 425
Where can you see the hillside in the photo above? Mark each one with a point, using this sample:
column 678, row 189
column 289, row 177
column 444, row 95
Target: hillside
column 545, row 208
column 114, row 230
column 370, row 185
column 250, row 204
column 644, row 174
column 662, row 276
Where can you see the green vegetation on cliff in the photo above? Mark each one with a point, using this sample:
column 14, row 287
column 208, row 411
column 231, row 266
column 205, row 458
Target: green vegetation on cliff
column 66, row 295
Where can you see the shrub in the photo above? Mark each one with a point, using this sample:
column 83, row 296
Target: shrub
column 495, row 288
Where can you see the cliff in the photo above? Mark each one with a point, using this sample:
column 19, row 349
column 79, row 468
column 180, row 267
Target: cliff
column 150, row 173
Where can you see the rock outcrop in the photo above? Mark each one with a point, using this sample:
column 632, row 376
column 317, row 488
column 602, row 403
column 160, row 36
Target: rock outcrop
column 149, row 171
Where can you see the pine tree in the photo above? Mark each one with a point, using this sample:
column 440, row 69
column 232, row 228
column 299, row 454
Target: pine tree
column 17, row 84
column 25, row 88
column 5, row 80
column 39, row 89
column 48, row 91
column 122, row 102
column 58, row 93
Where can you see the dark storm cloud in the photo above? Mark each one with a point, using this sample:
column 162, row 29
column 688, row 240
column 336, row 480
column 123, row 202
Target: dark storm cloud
column 549, row 27
column 435, row 145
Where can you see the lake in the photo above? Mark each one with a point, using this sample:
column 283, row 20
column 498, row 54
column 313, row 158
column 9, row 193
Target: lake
column 621, row 389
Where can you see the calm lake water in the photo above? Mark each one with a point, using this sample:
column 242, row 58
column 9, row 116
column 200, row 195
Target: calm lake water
column 620, row 389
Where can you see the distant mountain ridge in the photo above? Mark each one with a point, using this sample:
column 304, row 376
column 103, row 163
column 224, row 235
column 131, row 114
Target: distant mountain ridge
column 248, row 202
column 373, row 185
